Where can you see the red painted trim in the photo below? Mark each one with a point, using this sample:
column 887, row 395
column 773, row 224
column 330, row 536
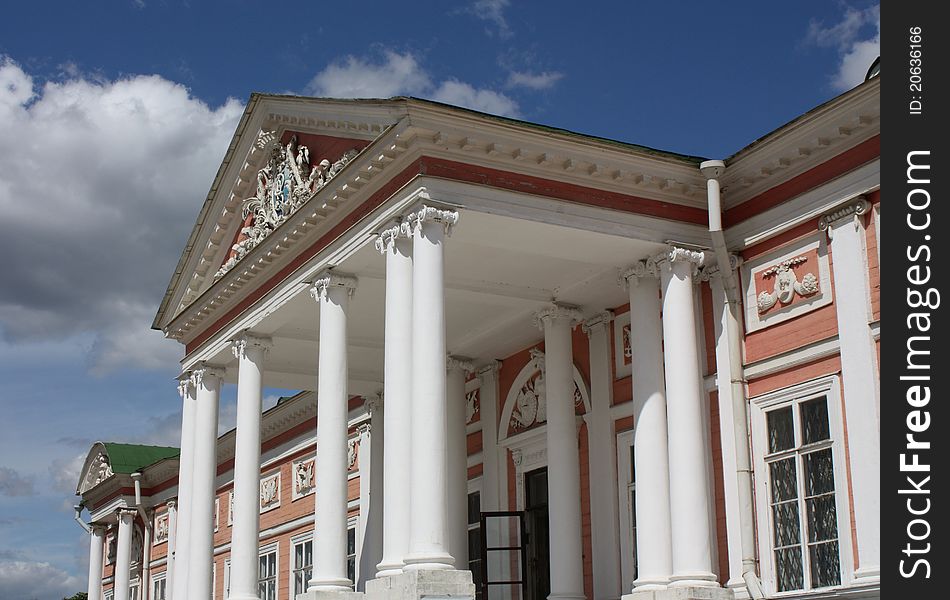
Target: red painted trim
column 863, row 153
column 464, row 172
column 518, row 182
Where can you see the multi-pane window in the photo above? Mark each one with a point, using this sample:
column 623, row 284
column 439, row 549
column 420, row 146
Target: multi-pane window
column 267, row 576
column 158, row 589
column 475, row 540
column 134, row 591
column 801, row 491
column 350, row 554
column 303, row 566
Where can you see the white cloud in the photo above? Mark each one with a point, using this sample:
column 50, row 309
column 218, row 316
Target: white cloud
column 23, row 579
column 64, row 473
column 492, row 11
column 12, row 483
column 857, row 38
column 462, row 94
column 402, row 75
column 352, row 77
column 101, row 185
column 534, row 81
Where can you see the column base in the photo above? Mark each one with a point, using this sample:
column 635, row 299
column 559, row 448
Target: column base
column 567, row 596
column 331, row 595
column 681, row 593
column 428, row 562
column 418, row 584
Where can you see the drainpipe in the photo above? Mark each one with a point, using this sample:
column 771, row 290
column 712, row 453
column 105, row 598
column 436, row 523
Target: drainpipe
column 712, row 170
column 78, row 517
column 147, row 538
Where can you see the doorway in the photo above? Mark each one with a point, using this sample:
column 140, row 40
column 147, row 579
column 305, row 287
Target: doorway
column 537, row 550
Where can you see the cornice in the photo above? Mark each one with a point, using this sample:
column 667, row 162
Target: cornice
column 806, row 142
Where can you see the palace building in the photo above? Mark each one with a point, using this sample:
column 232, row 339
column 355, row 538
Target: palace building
column 531, row 364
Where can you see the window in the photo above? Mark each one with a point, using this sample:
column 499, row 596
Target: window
column 134, row 591
column 628, row 507
column 158, row 587
column 303, row 565
column 475, row 540
column 267, row 575
column 798, row 444
column 350, row 554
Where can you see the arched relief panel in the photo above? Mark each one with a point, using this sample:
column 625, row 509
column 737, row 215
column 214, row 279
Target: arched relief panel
column 526, row 403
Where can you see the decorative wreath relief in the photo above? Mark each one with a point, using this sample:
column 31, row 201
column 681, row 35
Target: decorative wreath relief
column 284, row 185
column 161, row 529
column 471, row 405
column 303, row 477
column 531, row 403
column 787, row 284
column 270, row 492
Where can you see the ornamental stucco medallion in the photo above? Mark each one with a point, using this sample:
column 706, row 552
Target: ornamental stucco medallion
column 786, row 284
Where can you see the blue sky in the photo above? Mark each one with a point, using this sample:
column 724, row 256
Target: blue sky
column 115, row 114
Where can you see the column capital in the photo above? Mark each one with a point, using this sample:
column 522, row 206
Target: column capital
column 459, row 362
column 364, row 429
column 714, row 270
column 388, row 236
column 556, row 311
column 185, row 383
column 248, row 341
column 492, row 369
column 97, row 529
column 125, row 512
column 329, row 279
column 171, row 505
column 202, row 371
column 639, row 270
column 447, row 217
column 600, row 321
column 678, row 254
column 853, row 208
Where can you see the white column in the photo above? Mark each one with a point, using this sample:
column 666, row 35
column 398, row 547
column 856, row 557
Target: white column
column 689, row 449
column 861, row 379
column 456, row 370
column 604, row 509
column 727, row 431
column 123, row 553
column 94, row 589
column 397, row 377
column 171, row 543
column 186, row 464
column 650, row 451
column 494, row 457
column 332, row 291
column 428, row 538
column 207, row 381
column 372, row 438
column 564, row 473
column 245, row 515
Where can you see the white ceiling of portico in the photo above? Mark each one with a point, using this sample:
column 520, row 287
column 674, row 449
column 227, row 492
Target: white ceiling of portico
column 498, row 272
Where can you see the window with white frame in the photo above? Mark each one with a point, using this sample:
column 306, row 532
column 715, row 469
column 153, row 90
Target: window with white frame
column 109, row 595
column 350, row 554
column 799, row 450
column 628, row 507
column 134, row 591
column 158, row 587
column 267, row 573
column 302, row 567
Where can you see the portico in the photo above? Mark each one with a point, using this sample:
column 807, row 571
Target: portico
column 519, row 299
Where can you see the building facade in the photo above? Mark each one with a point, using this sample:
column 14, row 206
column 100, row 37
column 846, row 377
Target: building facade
column 535, row 364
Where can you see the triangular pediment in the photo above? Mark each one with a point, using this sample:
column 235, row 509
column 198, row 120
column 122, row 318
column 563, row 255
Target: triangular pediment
column 285, row 150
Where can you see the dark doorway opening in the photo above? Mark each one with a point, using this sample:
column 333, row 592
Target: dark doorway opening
column 537, row 542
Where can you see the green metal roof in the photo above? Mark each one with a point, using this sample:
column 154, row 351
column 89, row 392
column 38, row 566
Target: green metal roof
column 129, row 458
